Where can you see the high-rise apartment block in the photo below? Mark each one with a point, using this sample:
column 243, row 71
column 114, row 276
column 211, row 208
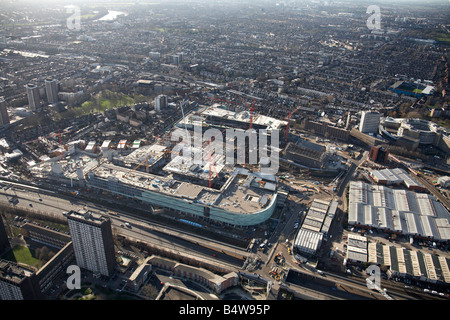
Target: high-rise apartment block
column 34, row 98
column 370, row 122
column 51, row 89
column 4, row 118
column 4, row 241
column 92, row 241
column 161, row 103
column 17, row 283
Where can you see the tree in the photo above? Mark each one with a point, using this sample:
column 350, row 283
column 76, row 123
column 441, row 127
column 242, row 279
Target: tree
column 414, row 115
column 44, row 253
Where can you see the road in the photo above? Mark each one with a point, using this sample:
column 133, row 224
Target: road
column 178, row 241
column 345, row 180
column 162, row 236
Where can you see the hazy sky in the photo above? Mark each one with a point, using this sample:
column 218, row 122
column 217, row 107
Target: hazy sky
column 423, row 2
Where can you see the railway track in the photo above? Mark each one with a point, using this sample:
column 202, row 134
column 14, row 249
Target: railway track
column 435, row 192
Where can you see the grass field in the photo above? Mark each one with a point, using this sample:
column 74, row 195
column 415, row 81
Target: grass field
column 442, row 37
column 101, row 102
column 23, row 255
column 107, row 99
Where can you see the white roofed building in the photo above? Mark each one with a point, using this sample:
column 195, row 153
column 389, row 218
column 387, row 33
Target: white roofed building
column 400, row 211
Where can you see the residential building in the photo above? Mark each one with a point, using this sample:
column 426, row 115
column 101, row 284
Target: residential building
column 45, row 236
column 161, row 103
column 379, row 154
column 92, row 241
column 17, row 283
column 4, row 242
column 34, row 98
column 4, row 118
column 51, row 89
column 215, row 282
column 370, row 121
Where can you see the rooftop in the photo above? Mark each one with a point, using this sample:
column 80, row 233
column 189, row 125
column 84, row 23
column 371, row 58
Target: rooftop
column 13, row 272
column 240, row 194
column 87, row 216
column 395, row 176
column 243, row 117
column 398, row 210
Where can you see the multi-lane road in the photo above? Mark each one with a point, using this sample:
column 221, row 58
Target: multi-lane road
column 165, row 237
column 168, row 238
column 193, row 245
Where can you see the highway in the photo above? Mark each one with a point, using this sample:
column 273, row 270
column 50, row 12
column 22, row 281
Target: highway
column 220, row 254
column 155, row 234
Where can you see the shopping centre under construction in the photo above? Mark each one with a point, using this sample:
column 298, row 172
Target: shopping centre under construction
column 237, row 195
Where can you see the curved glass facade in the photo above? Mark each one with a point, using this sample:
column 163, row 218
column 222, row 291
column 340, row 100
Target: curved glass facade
column 185, row 205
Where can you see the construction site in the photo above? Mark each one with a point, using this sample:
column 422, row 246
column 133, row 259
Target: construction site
column 162, row 176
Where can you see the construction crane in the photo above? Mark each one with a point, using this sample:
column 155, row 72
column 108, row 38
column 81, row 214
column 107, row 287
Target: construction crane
column 59, row 133
column 141, row 163
column 251, row 108
column 148, row 157
column 182, row 112
column 211, row 164
column 288, row 120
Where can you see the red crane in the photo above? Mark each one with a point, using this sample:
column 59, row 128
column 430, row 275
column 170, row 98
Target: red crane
column 211, row 165
column 252, row 107
column 53, row 134
column 251, row 114
column 288, row 120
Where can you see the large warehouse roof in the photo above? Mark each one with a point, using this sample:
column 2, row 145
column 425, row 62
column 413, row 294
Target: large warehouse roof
column 398, row 210
column 416, row 263
column 308, row 241
column 316, row 224
column 395, row 176
column 357, row 247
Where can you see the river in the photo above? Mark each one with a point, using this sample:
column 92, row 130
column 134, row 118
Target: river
column 112, row 15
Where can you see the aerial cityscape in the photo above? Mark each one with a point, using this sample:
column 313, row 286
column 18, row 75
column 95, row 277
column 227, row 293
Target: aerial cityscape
column 198, row 150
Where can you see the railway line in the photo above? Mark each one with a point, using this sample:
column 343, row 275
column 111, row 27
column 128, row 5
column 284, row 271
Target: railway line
column 445, row 202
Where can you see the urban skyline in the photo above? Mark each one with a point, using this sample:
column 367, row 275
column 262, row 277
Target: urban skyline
column 225, row 150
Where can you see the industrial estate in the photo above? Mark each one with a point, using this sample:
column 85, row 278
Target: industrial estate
column 189, row 151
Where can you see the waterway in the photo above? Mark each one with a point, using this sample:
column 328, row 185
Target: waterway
column 112, row 15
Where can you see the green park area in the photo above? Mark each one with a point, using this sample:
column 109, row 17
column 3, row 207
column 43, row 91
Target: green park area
column 22, row 254
column 107, row 100
column 102, row 101
column 442, row 37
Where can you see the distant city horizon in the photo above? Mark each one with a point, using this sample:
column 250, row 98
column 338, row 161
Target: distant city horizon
column 225, row 150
